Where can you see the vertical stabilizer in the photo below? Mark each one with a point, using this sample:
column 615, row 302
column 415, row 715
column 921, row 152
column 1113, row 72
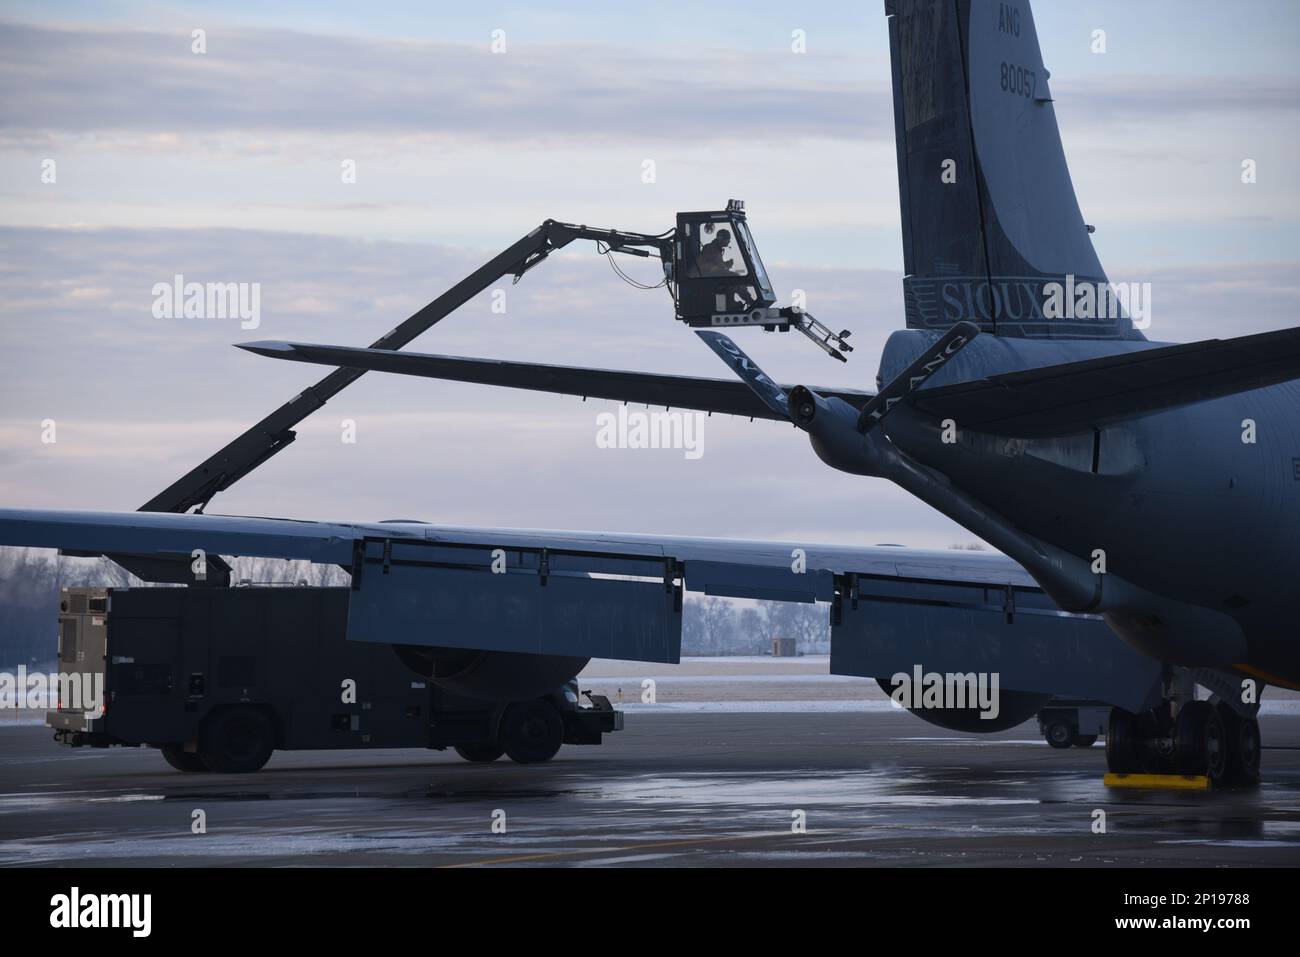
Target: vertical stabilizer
column 989, row 213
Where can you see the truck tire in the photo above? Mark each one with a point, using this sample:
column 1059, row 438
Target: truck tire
column 479, row 753
column 1059, row 733
column 531, row 731
column 180, row 759
column 237, row 741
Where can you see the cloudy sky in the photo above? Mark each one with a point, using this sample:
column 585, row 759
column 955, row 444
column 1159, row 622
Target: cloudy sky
column 226, row 166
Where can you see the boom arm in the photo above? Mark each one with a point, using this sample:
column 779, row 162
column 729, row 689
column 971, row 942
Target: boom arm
column 255, row 446
column 718, row 282
column 196, row 488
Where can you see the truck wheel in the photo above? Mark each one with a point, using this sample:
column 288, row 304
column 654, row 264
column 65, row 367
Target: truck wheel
column 180, row 759
column 238, row 741
column 1084, row 740
column 532, row 731
column 479, row 753
column 1059, row 734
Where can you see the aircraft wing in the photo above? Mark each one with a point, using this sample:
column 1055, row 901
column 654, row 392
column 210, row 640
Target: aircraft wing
column 735, row 567
column 609, row 595
column 728, row 396
column 1077, row 396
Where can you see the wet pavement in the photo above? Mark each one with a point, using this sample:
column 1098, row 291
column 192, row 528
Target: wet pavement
column 873, row 787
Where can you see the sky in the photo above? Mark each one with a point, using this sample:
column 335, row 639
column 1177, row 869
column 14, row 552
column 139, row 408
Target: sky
column 225, row 166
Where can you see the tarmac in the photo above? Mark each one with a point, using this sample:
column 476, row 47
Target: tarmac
column 802, row 777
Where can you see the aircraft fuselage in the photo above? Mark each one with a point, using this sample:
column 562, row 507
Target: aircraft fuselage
column 1199, row 504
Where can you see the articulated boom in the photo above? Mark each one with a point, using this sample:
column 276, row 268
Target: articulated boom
column 711, row 269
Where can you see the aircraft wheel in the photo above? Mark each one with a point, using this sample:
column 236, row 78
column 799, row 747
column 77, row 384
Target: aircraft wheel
column 1243, row 741
column 180, row 759
column 479, row 753
column 532, row 731
column 1123, row 745
column 238, row 741
column 1059, row 734
column 1200, row 742
column 1084, row 740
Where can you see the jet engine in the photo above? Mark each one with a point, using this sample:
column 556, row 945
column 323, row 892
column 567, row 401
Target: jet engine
column 831, row 424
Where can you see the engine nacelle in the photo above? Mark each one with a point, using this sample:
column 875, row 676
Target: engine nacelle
column 490, row 675
column 831, row 424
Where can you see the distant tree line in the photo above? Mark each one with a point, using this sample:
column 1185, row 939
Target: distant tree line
column 721, row 626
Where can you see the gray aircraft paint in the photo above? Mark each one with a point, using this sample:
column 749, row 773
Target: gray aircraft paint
column 1019, row 147
column 1181, row 506
column 983, row 247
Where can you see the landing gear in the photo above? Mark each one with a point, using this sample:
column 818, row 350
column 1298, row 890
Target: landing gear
column 1243, row 746
column 1125, row 748
column 1199, row 741
column 1205, row 738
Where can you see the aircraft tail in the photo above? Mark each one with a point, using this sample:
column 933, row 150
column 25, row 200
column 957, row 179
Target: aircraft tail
column 990, row 218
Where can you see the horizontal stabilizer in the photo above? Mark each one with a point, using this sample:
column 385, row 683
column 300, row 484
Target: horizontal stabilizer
column 683, row 392
column 1077, row 396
